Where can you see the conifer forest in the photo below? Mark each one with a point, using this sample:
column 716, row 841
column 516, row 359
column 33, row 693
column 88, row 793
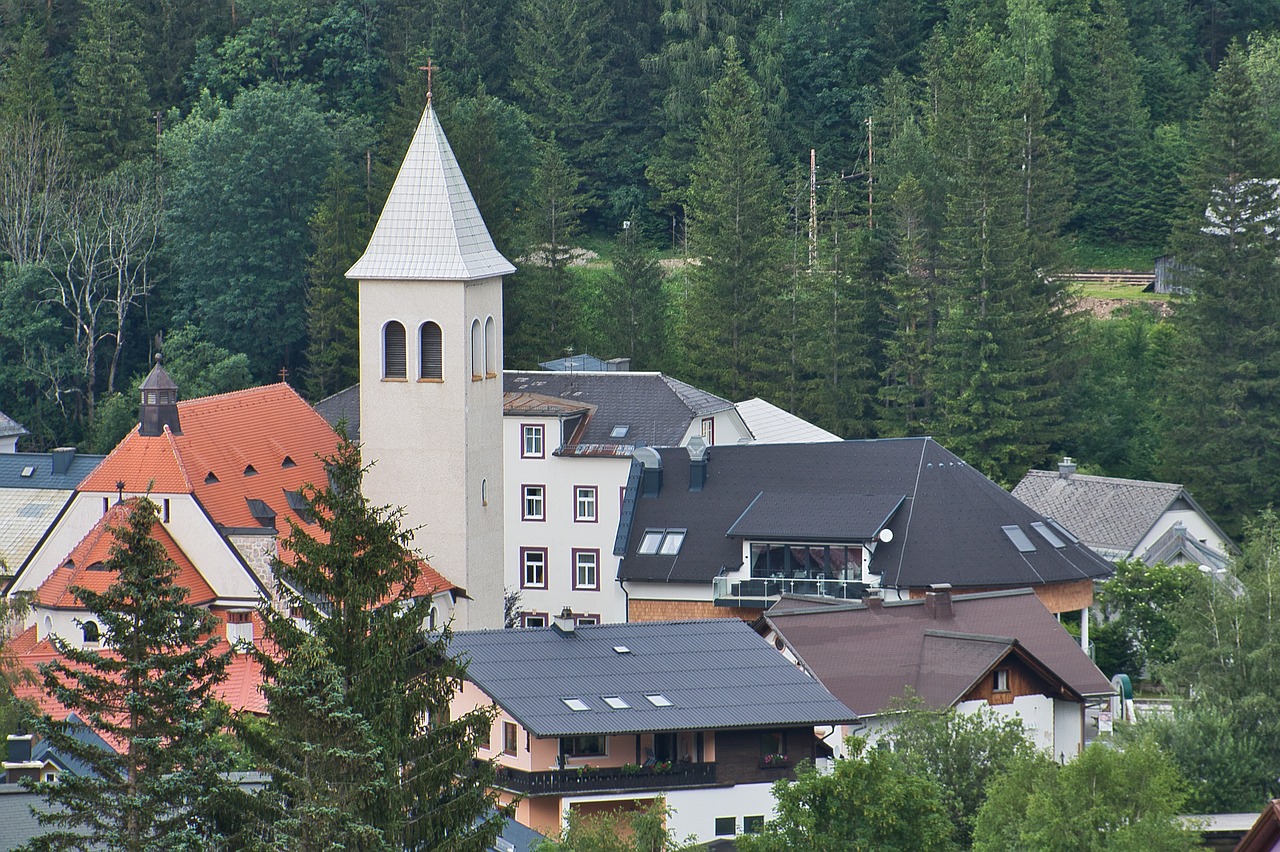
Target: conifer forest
column 860, row 210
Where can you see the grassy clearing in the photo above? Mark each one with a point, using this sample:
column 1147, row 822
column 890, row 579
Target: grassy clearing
column 1080, row 256
column 1118, row 291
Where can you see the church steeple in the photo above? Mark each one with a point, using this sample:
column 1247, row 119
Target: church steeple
column 430, row 228
column 159, row 404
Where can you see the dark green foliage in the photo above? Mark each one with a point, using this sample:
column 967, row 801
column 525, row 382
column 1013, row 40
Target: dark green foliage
column 735, row 225
column 1105, row 799
column 1143, row 602
column 112, row 121
column 634, row 304
column 962, row 752
column 26, row 85
column 1225, row 399
column 150, row 690
column 346, row 745
column 871, row 802
column 609, row 833
column 245, row 182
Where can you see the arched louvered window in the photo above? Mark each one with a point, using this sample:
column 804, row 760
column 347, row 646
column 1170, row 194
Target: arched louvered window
column 394, row 357
column 490, row 348
column 430, row 351
column 477, row 352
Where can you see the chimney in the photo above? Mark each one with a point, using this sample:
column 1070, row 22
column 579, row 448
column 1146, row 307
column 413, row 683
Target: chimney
column 937, row 601
column 19, row 748
column 19, row 764
column 873, row 601
column 618, row 365
column 158, row 407
column 1066, row 467
column 564, row 622
column 651, row 473
column 697, row 448
column 62, row 458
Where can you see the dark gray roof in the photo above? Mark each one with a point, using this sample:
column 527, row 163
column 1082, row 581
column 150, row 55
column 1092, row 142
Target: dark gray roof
column 1109, row 514
column 10, row 427
column 948, row 528
column 656, row 409
column 343, row 405
column 811, row 516
column 13, row 466
column 869, row 657
column 717, row 674
column 1175, row 545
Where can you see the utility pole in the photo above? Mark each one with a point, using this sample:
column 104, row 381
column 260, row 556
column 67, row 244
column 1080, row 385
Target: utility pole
column 813, row 210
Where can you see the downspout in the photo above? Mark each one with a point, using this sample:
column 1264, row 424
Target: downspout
column 626, row 596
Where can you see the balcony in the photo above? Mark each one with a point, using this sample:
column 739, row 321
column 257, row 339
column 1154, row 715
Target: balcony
column 605, row 779
column 761, row 592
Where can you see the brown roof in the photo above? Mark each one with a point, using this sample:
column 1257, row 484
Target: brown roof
column 1265, row 834
column 868, row 658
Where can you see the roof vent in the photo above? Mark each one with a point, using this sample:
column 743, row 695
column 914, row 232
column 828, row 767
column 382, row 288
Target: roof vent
column 1066, row 467
column 651, row 473
column 62, row 458
column 250, row 470
column 937, row 601
column 564, row 623
column 697, row 448
column 288, row 462
column 210, row 478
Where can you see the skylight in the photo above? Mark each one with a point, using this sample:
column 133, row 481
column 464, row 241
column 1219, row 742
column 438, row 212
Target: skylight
column 671, row 543
column 663, row 542
column 1066, row 533
column 621, row 649
column 650, row 541
column 28, row 471
column 619, row 432
column 1048, row 535
column 660, row 700
column 575, row 704
column 1019, row 538
column 616, row 702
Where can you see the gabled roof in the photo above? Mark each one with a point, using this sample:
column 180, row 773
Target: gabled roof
column 343, row 407
column 772, row 425
column 1176, row 545
column 716, row 674
column 869, row 657
column 430, row 228
column 948, row 527
column 83, row 566
column 9, row 427
column 655, row 409
column 1264, row 835
column 32, row 496
column 254, row 444
column 1109, row 514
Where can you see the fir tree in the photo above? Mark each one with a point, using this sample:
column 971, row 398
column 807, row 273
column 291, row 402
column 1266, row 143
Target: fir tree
column 26, row 86
column 634, row 303
column 735, row 228
column 150, row 689
column 111, row 123
column 352, row 690
column 1224, row 410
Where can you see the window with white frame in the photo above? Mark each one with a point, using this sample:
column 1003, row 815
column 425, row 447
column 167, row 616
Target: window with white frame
column 531, row 441
column 533, row 503
column 533, row 567
column 584, row 504
column 709, row 430
column 661, row 542
column 586, row 569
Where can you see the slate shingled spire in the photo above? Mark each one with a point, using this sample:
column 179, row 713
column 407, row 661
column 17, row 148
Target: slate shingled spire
column 430, row 228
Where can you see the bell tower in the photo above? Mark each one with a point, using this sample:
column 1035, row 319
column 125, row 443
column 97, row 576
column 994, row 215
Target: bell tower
column 431, row 371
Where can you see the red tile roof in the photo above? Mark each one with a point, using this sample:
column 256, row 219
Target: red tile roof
column 82, row 565
column 251, row 444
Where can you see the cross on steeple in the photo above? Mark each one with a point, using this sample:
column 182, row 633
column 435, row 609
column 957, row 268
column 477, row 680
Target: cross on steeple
column 284, row 374
column 429, row 68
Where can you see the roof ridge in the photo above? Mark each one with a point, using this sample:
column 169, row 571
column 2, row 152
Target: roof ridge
column 1117, row 480
column 974, row 637
column 177, row 455
column 220, row 397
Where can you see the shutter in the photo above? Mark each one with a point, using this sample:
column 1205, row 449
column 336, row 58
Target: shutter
column 432, row 348
column 395, row 361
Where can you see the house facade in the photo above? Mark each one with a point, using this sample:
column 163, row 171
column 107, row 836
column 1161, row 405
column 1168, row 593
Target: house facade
column 730, row 531
column 607, row 718
column 35, row 488
column 1002, row 651
column 568, row 439
column 1128, row 518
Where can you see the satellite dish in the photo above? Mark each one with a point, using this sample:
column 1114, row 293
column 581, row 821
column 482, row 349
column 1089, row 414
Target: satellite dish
column 885, row 535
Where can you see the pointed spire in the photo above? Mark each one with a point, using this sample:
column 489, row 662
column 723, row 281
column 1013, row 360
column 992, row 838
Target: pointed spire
column 158, row 407
column 430, row 228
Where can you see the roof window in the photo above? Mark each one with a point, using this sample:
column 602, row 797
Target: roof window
column 619, row 431
column 1019, row 538
column 1048, row 535
column 621, row 649
column 27, row 471
column 661, row 542
column 1066, row 533
column 577, row 705
column 659, row 700
column 616, row 702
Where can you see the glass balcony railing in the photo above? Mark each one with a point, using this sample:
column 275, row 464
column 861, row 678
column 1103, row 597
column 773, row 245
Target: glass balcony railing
column 759, row 591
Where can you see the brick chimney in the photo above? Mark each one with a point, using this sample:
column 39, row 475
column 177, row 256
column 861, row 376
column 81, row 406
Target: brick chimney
column 1066, row 467
column 873, row 601
column 937, row 601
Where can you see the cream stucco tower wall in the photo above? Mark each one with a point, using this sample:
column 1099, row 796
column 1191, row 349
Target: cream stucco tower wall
column 436, row 443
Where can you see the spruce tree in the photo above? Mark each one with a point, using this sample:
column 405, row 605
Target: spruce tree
column 150, row 690
column 359, row 738
column 112, row 122
column 1224, row 407
column 735, row 229
column 634, row 316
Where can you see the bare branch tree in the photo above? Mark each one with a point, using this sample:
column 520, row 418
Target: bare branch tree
column 132, row 208
column 34, row 172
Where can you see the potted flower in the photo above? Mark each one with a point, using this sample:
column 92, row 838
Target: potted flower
column 774, row 761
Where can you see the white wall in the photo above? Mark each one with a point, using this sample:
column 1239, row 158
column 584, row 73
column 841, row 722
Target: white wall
column 694, row 811
column 1197, row 525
